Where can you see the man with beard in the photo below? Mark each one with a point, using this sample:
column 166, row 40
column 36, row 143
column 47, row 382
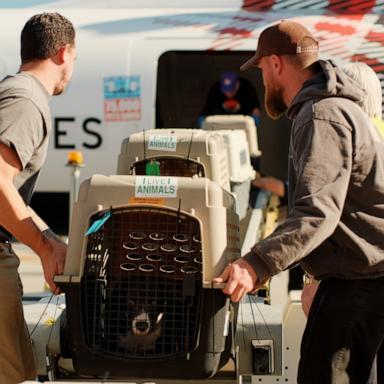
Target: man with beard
column 48, row 53
column 335, row 225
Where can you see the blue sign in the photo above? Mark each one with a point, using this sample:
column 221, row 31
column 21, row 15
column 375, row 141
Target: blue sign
column 122, row 101
column 121, row 87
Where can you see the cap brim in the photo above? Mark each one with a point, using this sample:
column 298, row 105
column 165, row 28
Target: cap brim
column 252, row 62
column 228, row 89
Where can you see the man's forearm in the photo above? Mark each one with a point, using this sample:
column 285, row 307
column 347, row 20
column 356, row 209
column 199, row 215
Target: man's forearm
column 41, row 224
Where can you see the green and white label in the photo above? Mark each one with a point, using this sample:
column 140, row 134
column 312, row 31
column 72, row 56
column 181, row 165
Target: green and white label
column 162, row 143
column 147, row 186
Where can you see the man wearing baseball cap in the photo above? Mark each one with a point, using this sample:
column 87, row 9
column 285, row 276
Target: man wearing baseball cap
column 335, row 225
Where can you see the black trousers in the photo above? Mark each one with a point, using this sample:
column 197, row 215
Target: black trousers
column 344, row 332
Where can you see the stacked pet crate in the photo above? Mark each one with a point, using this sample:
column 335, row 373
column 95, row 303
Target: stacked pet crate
column 245, row 126
column 236, row 122
column 222, row 156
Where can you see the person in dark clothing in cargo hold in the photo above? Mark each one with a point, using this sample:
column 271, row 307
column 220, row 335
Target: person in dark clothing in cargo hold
column 335, row 225
column 231, row 95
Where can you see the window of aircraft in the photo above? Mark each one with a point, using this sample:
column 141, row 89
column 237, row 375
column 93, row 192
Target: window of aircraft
column 184, row 79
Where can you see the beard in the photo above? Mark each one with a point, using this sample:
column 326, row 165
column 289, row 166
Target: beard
column 62, row 84
column 58, row 90
column 274, row 103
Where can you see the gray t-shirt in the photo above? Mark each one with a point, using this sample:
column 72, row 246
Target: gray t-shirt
column 25, row 123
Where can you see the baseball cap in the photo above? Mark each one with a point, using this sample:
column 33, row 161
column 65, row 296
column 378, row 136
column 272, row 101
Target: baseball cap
column 228, row 81
column 285, row 38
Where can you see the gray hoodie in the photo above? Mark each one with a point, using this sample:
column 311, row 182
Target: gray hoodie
column 335, row 225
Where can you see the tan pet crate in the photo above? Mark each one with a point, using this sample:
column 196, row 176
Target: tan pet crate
column 142, row 253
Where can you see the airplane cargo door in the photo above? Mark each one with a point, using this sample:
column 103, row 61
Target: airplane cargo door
column 184, row 79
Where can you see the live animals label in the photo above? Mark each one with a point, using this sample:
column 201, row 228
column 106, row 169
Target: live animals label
column 162, row 143
column 147, row 186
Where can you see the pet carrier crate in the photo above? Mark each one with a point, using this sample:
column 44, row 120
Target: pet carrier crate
column 245, row 123
column 240, row 169
column 236, row 145
column 185, row 153
column 221, row 156
column 142, row 253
